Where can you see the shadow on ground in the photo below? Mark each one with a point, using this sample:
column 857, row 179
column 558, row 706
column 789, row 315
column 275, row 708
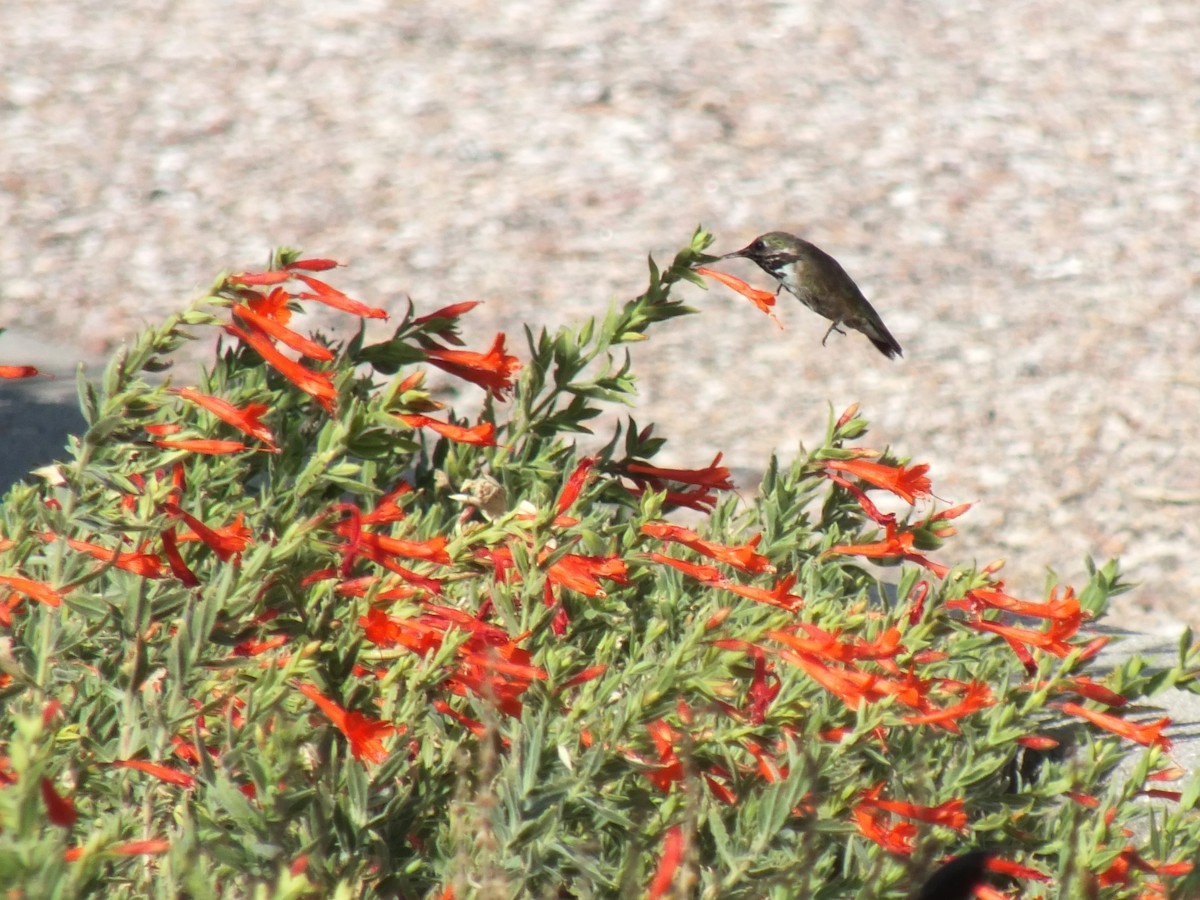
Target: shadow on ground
column 35, row 423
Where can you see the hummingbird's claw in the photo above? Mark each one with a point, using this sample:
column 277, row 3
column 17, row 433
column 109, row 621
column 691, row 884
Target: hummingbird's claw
column 832, row 328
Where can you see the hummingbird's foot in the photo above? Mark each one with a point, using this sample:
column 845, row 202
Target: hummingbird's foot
column 832, row 328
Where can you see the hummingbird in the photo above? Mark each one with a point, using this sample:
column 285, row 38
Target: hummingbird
column 818, row 281
column 957, row 879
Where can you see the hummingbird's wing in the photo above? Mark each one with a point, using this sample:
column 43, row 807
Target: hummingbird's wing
column 857, row 312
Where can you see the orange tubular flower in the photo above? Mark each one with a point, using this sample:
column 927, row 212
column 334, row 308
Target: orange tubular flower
column 178, row 567
column 318, row 385
column 387, row 509
column 1064, row 608
column 575, row 483
column 226, row 542
column 312, row 265
column 493, row 371
column 453, row 311
column 826, row 645
column 707, row 574
column 673, row 847
column 245, row 419
column 18, row 372
column 697, row 497
column 153, row 846
column 894, row 544
column 481, row 435
column 1148, row 735
column 950, row 814
column 906, row 482
column 163, row 773
column 780, row 595
column 432, row 549
column 896, row 838
column 743, row 557
column 148, row 565
column 364, row 734
column 850, row 686
column 60, row 810
column 764, row 300
column 668, row 768
column 273, row 306
column 336, row 299
column 1055, row 639
column 202, row 445
column 475, row 727
column 282, row 333
column 977, row 697
column 713, row 475
column 35, row 590
column 582, row 573
column 261, row 278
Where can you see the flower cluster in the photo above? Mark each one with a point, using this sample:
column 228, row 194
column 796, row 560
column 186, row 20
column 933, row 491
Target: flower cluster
column 303, row 625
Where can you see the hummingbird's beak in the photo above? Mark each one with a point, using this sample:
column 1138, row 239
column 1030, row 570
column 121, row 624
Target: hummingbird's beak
column 734, row 254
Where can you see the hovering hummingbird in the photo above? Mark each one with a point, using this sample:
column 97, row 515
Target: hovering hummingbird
column 820, row 283
column 957, row 879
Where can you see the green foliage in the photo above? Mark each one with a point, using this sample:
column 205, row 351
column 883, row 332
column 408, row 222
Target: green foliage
column 392, row 658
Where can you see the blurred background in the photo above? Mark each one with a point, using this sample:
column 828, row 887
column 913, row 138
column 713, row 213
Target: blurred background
column 1014, row 186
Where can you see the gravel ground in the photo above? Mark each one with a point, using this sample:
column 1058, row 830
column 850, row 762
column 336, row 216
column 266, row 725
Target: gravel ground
column 1013, row 185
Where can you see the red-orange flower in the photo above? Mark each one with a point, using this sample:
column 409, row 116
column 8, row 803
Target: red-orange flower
column 476, row 727
column 334, row 298
column 202, row 445
column 226, row 541
column 582, row 573
column 949, row 814
column 713, row 475
column 61, row 810
column 432, row 549
column 318, row 385
column 764, row 300
column 744, row 557
column 707, row 574
column 895, row 543
column 245, row 419
column 481, row 435
column 778, row 595
column 312, row 265
column 1148, row 735
column 18, row 372
column 1055, row 639
column 493, row 371
column 977, row 697
column 139, row 562
column 276, row 329
column 161, row 772
column 364, row 734
column 906, row 482
column 451, row 312
column 35, row 590
column 152, row 846
column 575, row 483
column 898, row 838
column 673, row 847
column 175, row 560
column 261, row 278
column 387, row 509
column 273, row 305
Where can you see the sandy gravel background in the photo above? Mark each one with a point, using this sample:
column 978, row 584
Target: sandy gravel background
column 1014, row 185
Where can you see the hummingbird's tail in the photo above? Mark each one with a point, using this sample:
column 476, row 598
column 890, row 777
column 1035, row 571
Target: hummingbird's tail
column 885, row 343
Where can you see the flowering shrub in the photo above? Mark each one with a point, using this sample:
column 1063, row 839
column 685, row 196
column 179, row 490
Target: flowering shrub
column 301, row 630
